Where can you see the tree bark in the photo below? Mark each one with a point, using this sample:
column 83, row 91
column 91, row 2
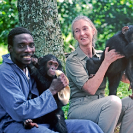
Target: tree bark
column 41, row 18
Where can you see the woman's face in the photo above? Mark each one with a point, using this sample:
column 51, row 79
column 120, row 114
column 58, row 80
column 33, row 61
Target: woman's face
column 83, row 32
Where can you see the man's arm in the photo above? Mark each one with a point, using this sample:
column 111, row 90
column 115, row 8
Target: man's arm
column 14, row 95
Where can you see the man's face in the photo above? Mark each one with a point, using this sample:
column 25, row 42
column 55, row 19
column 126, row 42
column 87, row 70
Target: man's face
column 22, row 50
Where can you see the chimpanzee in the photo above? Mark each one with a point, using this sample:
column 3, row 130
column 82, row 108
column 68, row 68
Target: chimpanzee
column 43, row 71
column 122, row 42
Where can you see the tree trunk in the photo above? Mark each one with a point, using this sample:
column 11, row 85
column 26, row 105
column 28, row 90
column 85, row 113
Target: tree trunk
column 41, row 18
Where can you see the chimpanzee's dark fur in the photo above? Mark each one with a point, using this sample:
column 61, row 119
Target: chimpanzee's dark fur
column 122, row 43
column 39, row 72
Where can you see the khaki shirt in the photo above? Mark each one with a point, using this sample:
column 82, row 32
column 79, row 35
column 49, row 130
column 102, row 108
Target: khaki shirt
column 77, row 73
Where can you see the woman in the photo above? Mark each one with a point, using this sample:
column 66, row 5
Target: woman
column 87, row 99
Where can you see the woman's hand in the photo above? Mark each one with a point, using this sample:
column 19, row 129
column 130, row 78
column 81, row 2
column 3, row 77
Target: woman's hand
column 94, row 82
column 111, row 56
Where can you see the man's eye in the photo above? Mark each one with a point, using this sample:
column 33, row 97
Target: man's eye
column 21, row 45
column 32, row 45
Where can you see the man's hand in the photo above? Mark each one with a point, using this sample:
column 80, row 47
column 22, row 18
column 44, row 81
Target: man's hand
column 58, row 84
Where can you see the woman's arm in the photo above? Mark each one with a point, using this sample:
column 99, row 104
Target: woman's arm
column 93, row 83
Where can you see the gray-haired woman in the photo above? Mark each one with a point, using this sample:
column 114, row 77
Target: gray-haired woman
column 87, row 99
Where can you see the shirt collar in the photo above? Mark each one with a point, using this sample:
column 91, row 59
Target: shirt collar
column 82, row 55
column 26, row 69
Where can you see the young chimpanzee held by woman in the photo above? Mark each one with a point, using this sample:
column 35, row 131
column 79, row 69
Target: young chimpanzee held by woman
column 122, row 42
column 43, row 71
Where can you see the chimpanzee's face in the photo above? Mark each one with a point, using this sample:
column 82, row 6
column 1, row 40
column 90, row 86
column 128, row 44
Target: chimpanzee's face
column 52, row 65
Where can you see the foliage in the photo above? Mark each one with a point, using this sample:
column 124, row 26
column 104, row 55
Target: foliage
column 65, row 109
column 3, row 50
column 8, row 18
column 108, row 16
column 67, row 11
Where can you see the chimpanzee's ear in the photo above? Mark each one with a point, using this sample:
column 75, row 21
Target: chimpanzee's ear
column 125, row 29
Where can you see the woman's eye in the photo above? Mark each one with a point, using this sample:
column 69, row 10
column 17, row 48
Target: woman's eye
column 76, row 30
column 85, row 28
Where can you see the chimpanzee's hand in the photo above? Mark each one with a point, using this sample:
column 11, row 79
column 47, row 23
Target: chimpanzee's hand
column 60, row 125
column 58, row 84
column 28, row 124
column 91, row 76
column 131, row 96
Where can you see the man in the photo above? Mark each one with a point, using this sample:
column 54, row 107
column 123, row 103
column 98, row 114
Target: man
column 17, row 85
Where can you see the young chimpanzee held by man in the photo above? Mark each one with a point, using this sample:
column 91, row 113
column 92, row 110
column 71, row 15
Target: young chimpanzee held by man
column 122, row 42
column 43, row 70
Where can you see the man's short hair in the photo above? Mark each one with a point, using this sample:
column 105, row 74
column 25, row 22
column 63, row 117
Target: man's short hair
column 16, row 31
